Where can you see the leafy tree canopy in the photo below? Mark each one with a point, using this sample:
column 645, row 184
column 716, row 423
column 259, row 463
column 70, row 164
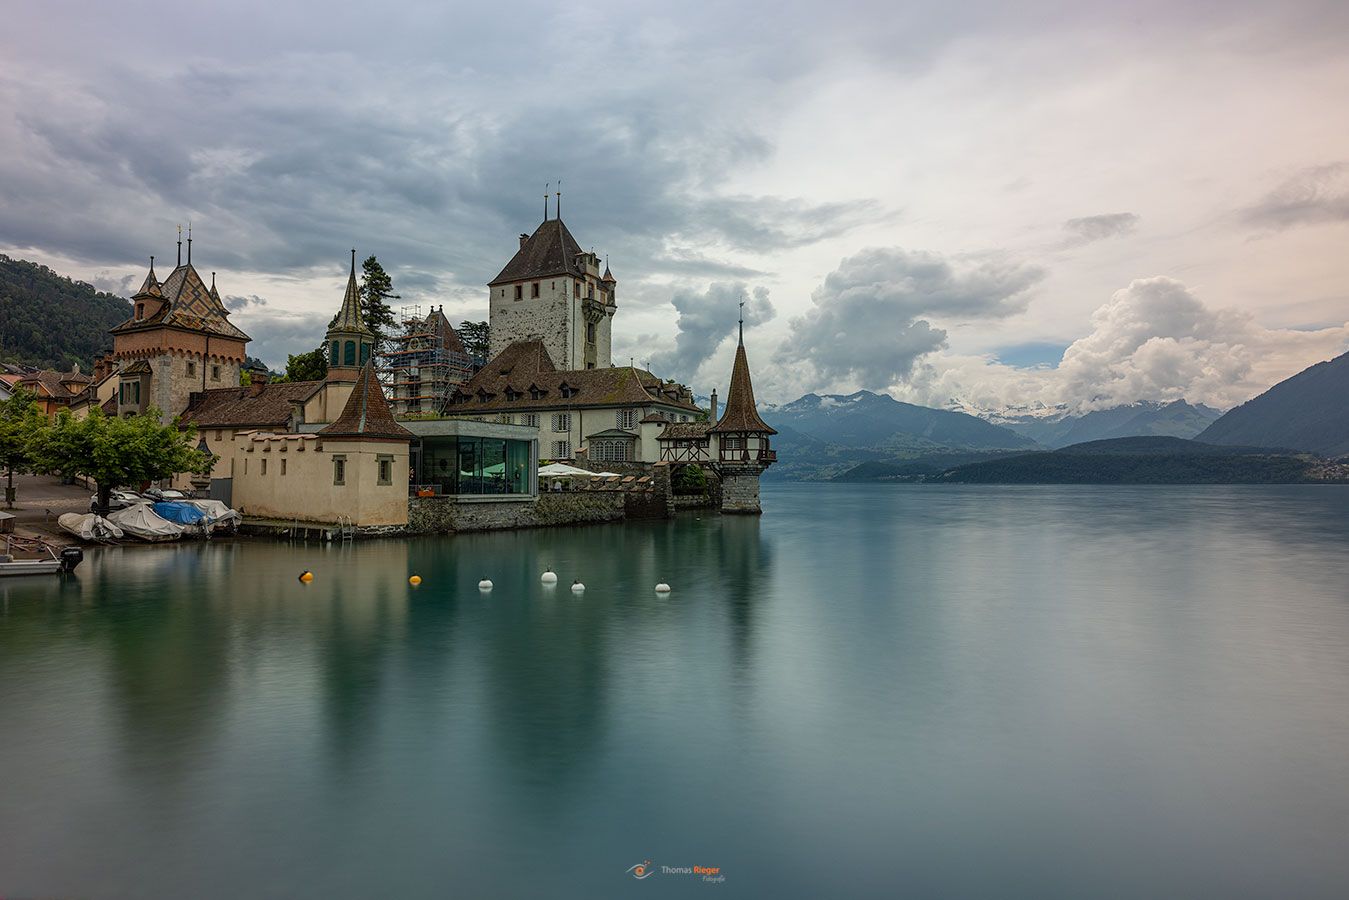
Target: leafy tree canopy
column 311, row 366
column 20, row 420
column 116, row 451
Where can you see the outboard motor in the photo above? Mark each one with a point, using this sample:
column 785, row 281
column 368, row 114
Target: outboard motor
column 70, row 558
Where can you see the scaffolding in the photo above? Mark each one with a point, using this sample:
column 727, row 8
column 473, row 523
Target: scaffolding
column 424, row 363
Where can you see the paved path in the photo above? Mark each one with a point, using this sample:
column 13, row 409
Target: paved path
column 39, row 500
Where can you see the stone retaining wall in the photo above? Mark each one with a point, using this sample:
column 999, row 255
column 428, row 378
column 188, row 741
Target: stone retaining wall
column 442, row 515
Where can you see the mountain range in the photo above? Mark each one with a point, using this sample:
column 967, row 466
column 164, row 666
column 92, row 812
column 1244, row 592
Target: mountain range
column 1147, row 417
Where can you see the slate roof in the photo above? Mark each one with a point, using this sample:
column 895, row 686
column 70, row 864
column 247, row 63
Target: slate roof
column 366, row 413
column 550, row 250
column 139, row 367
column 348, row 319
column 256, row 406
column 189, row 304
column 506, row 384
column 741, row 415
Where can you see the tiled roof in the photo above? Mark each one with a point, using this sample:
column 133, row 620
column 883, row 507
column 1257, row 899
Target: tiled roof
column 188, row 303
column 366, row 413
column 348, row 319
column 139, row 367
column 508, row 382
column 150, row 287
column 53, row 384
column 684, row 431
column 741, row 414
column 550, row 250
column 256, row 406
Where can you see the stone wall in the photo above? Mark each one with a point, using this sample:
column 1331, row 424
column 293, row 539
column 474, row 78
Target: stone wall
column 740, row 490
column 444, row 515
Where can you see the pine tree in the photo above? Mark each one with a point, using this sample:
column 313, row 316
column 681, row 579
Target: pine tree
column 376, row 292
column 477, row 337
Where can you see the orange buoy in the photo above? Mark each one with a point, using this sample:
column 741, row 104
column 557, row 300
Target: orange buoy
column 306, row 576
column 415, row 580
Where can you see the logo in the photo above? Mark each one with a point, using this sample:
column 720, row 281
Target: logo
column 641, row 870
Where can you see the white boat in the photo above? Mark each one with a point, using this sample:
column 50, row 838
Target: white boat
column 89, row 527
column 140, row 521
column 42, row 559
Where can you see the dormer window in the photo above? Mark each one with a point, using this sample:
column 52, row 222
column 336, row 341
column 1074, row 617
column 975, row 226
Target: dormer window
column 512, row 394
column 140, row 310
column 567, row 391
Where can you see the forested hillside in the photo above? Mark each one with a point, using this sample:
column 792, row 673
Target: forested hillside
column 50, row 321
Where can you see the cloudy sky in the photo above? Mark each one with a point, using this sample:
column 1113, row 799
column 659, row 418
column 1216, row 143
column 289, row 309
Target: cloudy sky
column 989, row 203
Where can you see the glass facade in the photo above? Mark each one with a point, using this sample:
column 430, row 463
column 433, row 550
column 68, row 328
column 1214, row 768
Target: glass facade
column 473, row 465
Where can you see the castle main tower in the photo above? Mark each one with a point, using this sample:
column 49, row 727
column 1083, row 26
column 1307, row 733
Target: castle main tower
column 553, row 291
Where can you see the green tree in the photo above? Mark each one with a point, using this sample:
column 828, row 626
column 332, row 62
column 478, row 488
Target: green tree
column 311, row 366
column 116, row 451
column 477, row 338
column 20, row 420
column 376, row 292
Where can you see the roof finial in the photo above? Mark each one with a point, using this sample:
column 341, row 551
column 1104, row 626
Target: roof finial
column 212, row 281
column 559, row 198
column 545, row 200
column 353, row 262
column 152, row 262
column 189, row 242
column 742, row 323
column 180, row 245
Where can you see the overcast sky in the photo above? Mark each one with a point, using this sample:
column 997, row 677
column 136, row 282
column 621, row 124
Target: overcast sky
column 991, row 203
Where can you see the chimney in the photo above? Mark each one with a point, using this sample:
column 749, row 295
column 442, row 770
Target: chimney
column 256, row 387
column 260, row 376
column 523, row 237
column 714, row 405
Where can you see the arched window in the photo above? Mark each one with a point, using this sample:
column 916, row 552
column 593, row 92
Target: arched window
column 365, row 352
column 349, row 354
column 332, row 355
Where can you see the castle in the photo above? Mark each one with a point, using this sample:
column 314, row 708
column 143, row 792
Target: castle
column 331, row 449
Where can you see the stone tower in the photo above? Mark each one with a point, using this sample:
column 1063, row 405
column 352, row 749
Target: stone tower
column 179, row 340
column 553, row 291
column 350, row 341
column 742, row 441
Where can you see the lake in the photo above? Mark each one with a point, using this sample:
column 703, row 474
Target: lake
column 871, row 691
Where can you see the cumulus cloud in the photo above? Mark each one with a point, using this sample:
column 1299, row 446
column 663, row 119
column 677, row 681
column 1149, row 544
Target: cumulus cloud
column 1153, row 340
column 1088, row 229
column 870, row 321
column 707, row 319
column 1312, row 196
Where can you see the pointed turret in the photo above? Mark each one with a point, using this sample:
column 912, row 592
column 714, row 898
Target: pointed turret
column 366, row 414
column 150, row 287
column 741, row 415
column 350, row 341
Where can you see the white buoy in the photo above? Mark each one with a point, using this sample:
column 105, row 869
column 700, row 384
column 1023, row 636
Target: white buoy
column 485, row 584
column 662, row 588
column 548, row 577
column 577, row 587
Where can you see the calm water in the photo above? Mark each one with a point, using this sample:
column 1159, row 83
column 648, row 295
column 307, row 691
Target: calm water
column 917, row 691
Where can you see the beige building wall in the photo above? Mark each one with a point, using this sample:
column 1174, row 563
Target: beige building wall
column 584, row 422
column 292, row 477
